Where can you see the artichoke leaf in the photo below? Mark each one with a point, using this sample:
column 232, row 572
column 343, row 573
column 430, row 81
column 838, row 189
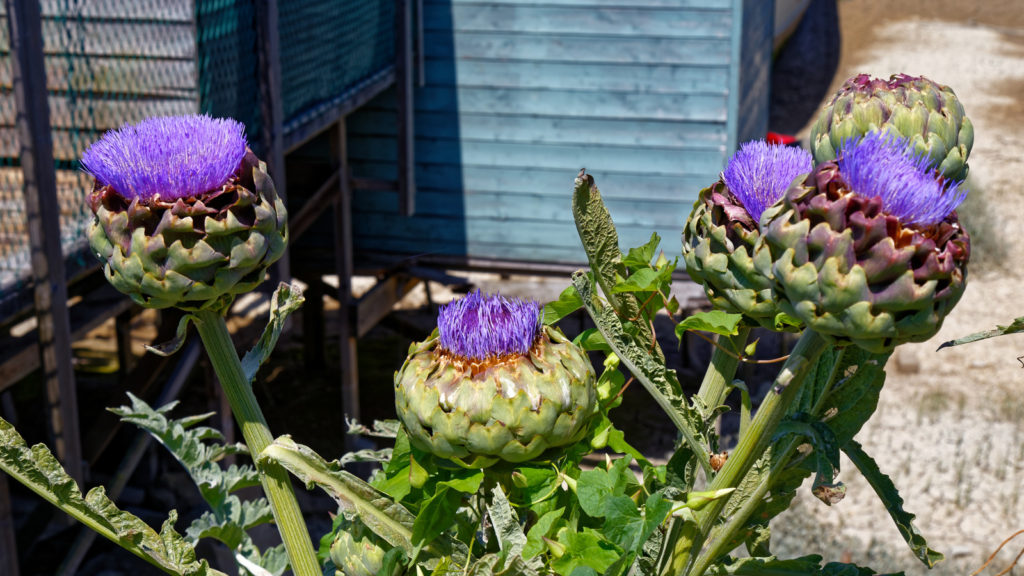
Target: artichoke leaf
column 1016, row 327
column 286, row 299
column 385, row 517
column 656, row 378
column 37, row 469
column 174, row 344
column 803, row 566
column 889, row 496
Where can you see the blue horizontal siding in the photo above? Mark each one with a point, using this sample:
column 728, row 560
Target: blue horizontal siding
column 579, row 76
column 521, row 94
column 546, row 130
column 664, row 22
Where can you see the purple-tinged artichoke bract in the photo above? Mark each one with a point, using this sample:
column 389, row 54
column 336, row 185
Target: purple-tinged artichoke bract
column 494, row 382
column 926, row 113
column 186, row 215
column 720, row 237
column 868, row 250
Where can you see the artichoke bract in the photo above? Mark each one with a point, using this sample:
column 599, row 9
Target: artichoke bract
column 172, row 230
column 926, row 113
column 494, row 383
column 868, row 250
column 353, row 557
column 720, row 237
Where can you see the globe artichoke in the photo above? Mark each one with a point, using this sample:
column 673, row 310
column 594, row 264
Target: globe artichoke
column 186, row 215
column 494, row 382
column 868, row 250
column 925, row 112
column 720, row 237
column 362, row 557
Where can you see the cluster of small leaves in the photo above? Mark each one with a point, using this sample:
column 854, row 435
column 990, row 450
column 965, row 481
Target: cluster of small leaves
column 198, row 450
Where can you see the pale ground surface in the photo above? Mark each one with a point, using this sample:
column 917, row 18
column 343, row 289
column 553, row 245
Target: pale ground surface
column 952, row 434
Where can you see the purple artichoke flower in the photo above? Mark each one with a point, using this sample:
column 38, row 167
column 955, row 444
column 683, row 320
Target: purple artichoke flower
column 169, row 157
column 495, row 384
column 886, row 166
column 186, row 215
column 759, row 173
column 484, row 326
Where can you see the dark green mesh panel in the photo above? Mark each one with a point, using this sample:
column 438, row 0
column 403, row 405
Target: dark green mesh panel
column 229, row 63
column 108, row 62
column 327, row 46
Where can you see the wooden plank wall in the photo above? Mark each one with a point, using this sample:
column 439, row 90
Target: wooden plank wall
column 520, row 94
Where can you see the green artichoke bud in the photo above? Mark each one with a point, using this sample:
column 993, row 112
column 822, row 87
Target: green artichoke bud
column 354, row 557
column 720, row 237
column 916, row 108
column 868, row 250
column 494, row 382
column 186, row 215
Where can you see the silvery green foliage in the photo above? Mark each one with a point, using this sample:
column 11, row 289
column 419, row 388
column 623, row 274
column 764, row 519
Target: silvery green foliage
column 37, row 469
column 195, row 447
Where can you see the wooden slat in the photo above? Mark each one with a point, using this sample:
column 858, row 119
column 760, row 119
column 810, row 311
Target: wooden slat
column 607, row 49
column 568, row 103
column 538, row 206
column 547, row 130
column 658, row 22
column 525, row 180
column 665, row 161
column 314, row 207
column 580, row 76
column 405, row 109
column 379, row 301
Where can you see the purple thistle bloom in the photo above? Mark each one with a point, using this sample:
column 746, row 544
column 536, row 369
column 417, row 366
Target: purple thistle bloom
column 881, row 165
column 759, row 173
column 481, row 326
column 173, row 157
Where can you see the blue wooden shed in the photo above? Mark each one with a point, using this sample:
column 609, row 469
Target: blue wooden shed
column 515, row 96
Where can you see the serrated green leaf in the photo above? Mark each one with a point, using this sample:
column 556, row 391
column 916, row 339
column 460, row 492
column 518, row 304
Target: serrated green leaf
column 174, row 344
column 511, row 539
column 804, row 566
column 628, row 526
column 854, row 396
column 591, row 339
column 232, row 521
column 37, row 469
column 716, row 322
column 567, row 303
column 660, row 382
column 381, row 428
column 385, row 517
column 366, row 455
column 643, row 255
column 601, row 243
column 585, row 549
column 594, row 487
column 491, row 565
column 285, row 300
column 392, row 563
column 890, row 497
column 436, row 515
column 465, row 481
column 639, row 281
column 534, row 539
column 1016, row 327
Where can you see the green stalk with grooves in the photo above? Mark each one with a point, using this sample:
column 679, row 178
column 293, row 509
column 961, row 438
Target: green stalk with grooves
column 722, row 369
column 276, row 482
column 750, row 448
column 714, row 548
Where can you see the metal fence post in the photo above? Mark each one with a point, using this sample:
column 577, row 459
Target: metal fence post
column 272, row 109
column 42, row 211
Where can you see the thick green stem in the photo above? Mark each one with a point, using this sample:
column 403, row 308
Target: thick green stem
column 715, row 545
column 751, row 446
column 276, row 482
column 722, row 369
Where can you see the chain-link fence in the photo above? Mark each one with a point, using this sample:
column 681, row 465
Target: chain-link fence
column 109, row 62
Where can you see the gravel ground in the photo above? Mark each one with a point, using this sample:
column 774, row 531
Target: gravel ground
column 950, row 425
